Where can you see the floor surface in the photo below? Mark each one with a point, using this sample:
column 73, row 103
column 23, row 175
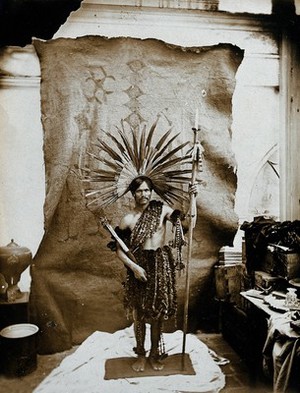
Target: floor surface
column 236, row 372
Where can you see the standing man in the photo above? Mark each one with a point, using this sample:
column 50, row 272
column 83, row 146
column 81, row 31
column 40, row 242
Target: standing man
column 150, row 288
column 130, row 160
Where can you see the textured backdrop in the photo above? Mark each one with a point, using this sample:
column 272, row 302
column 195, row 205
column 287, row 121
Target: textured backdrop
column 89, row 84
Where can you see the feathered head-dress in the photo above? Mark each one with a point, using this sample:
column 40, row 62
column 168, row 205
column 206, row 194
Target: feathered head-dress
column 121, row 156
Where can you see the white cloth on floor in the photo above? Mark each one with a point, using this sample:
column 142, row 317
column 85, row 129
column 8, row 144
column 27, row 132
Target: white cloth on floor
column 83, row 371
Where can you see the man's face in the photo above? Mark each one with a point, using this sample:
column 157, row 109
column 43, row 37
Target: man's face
column 142, row 194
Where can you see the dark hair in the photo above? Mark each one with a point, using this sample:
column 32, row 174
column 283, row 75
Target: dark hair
column 134, row 185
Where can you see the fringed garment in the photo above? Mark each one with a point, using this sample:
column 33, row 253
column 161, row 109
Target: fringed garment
column 157, row 297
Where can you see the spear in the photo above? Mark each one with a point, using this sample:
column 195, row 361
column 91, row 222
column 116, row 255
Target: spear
column 196, row 167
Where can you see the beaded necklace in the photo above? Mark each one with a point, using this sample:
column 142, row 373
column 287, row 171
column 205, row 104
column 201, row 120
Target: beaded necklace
column 147, row 224
column 178, row 243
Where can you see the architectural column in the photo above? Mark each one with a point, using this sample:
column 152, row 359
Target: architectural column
column 290, row 132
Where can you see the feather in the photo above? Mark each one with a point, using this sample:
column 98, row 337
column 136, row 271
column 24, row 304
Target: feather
column 131, row 155
column 110, row 151
column 128, row 148
column 142, row 150
column 163, row 166
column 151, row 132
column 164, row 148
column 171, row 153
column 114, row 139
column 177, row 172
column 135, row 144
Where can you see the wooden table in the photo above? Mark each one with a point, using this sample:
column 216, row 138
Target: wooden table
column 261, row 319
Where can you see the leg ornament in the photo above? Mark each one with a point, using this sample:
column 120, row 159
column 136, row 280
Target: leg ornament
column 140, row 333
column 157, row 352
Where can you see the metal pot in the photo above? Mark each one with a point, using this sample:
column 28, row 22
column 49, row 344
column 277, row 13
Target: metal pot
column 13, row 261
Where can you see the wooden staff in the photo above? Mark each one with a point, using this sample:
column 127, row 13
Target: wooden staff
column 196, row 157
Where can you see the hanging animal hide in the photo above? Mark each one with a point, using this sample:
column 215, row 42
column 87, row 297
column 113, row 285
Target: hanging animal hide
column 90, row 84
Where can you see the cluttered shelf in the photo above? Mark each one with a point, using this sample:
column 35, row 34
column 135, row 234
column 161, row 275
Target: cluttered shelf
column 274, row 302
column 260, row 301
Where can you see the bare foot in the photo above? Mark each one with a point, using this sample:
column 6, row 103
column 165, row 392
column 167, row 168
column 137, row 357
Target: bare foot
column 139, row 365
column 156, row 364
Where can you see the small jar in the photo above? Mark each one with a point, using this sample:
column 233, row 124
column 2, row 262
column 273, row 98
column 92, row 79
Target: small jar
column 291, row 297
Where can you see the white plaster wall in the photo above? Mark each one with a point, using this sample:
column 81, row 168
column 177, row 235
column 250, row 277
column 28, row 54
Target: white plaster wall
column 251, row 6
column 22, row 180
column 255, row 104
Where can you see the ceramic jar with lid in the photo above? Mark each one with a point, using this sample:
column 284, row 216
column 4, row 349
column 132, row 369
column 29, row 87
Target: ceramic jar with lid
column 14, row 259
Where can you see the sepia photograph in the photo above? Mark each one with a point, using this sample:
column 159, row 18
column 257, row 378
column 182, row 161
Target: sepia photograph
column 150, row 196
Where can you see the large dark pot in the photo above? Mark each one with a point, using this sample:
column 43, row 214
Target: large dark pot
column 18, row 349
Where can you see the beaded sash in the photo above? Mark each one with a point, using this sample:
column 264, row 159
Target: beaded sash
column 147, row 224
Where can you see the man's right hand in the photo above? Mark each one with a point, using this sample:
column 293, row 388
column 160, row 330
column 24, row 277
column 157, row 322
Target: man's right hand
column 139, row 273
